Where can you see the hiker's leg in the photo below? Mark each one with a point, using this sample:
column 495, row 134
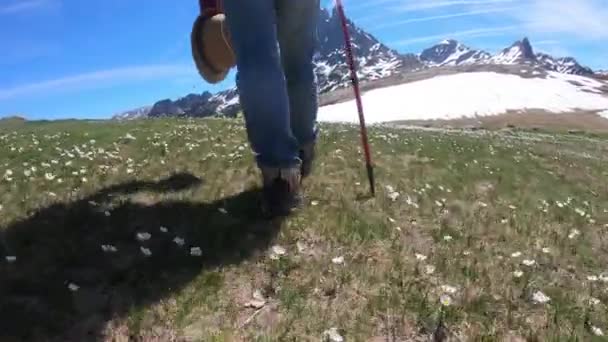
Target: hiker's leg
column 297, row 30
column 261, row 81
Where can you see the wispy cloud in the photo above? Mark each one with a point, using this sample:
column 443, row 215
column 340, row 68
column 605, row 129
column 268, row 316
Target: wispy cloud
column 584, row 19
column 23, row 6
column 97, row 79
column 410, row 6
column 441, row 17
column 479, row 32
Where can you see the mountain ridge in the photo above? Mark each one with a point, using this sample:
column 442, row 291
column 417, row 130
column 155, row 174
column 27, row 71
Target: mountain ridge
column 375, row 61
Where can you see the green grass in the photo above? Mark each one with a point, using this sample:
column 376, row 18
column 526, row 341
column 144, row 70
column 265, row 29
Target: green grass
column 468, row 204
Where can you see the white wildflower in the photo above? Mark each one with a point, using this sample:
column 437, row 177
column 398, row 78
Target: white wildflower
column 332, row 335
column 518, row 274
column 546, row 250
column 27, row 173
column 559, row 204
column 528, row 262
column 448, row 289
column 145, row 251
column 49, row 176
column 594, row 301
column 109, row 248
column 516, row 255
column 439, row 204
column 597, row 331
column 163, row 229
column 338, row 260
column 420, row 257
column 430, row 269
column 504, row 221
column 540, row 297
column 581, row 212
column 73, row 287
column 143, row 236
column 447, row 238
column 223, row 211
column 445, row 300
column 196, row 251
column 483, row 205
column 573, row 233
column 592, row 278
column 179, row 241
column 130, row 137
column 277, row 252
column 314, row 203
column 466, row 253
column 603, row 278
column 84, row 179
column 512, row 207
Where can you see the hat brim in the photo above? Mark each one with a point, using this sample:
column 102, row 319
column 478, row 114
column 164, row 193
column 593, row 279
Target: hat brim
column 207, row 72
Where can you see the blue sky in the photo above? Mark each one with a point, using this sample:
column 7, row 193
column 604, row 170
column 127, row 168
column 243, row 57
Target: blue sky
column 91, row 59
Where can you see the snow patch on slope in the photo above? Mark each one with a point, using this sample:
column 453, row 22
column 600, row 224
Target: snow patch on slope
column 469, row 95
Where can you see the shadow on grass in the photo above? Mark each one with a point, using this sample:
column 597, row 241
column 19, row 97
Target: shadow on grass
column 61, row 244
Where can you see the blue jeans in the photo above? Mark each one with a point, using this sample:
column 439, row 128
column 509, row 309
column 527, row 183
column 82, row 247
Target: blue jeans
column 274, row 42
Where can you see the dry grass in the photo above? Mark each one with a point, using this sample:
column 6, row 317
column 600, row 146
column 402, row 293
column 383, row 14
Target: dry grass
column 471, row 207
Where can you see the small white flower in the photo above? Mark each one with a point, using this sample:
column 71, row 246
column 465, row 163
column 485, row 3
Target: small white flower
column 483, row 205
column 223, row 211
column 518, row 274
column 594, row 301
column 393, row 196
column 466, row 253
column 179, row 241
column 143, row 236
column 448, row 289
column 528, row 262
column 512, row 207
column 163, row 229
column 597, row 331
column 445, row 300
column 447, row 238
column 438, row 203
column 559, row 204
column 592, row 278
column 604, row 278
column 109, row 248
column 107, row 213
column 430, row 269
column 504, row 221
column 73, row 287
column 277, row 252
column 420, row 257
column 145, row 251
column 27, row 173
column 11, row 258
column 196, row 251
column 540, row 297
column 338, row 260
column 49, row 176
column 579, row 211
column 333, row 335
column 314, row 203
column 516, row 255
column 84, row 179
column 546, row 250
column 573, row 233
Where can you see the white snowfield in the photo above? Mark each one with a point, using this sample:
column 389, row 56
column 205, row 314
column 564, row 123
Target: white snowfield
column 472, row 94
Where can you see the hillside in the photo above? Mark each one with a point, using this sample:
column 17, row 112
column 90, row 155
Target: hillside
column 148, row 231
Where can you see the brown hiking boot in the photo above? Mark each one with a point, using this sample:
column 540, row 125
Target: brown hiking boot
column 281, row 193
column 307, row 155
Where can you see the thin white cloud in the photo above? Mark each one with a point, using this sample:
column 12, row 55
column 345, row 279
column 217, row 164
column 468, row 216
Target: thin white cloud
column 23, row 6
column 410, row 6
column 97, row 79
column 479, row 32
column 441, row 17
column 583, row 19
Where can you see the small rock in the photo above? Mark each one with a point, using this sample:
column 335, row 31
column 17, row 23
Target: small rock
column 277, row 252
column 257, row 302
column 179, row 241
column 332, row 335
column 11, row 258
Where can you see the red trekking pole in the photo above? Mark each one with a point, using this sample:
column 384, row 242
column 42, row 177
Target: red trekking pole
column 355, row 81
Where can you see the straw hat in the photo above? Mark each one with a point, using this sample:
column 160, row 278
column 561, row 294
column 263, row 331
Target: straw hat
column 211, row 47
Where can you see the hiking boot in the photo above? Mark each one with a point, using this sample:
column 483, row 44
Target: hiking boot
column 281, row 193
column 307, row 155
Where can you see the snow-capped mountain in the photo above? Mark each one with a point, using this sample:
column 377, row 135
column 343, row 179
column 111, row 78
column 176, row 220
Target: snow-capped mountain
column 451, row 52
column 375, row 60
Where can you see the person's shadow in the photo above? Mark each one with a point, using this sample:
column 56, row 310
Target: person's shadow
column 61, row 246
